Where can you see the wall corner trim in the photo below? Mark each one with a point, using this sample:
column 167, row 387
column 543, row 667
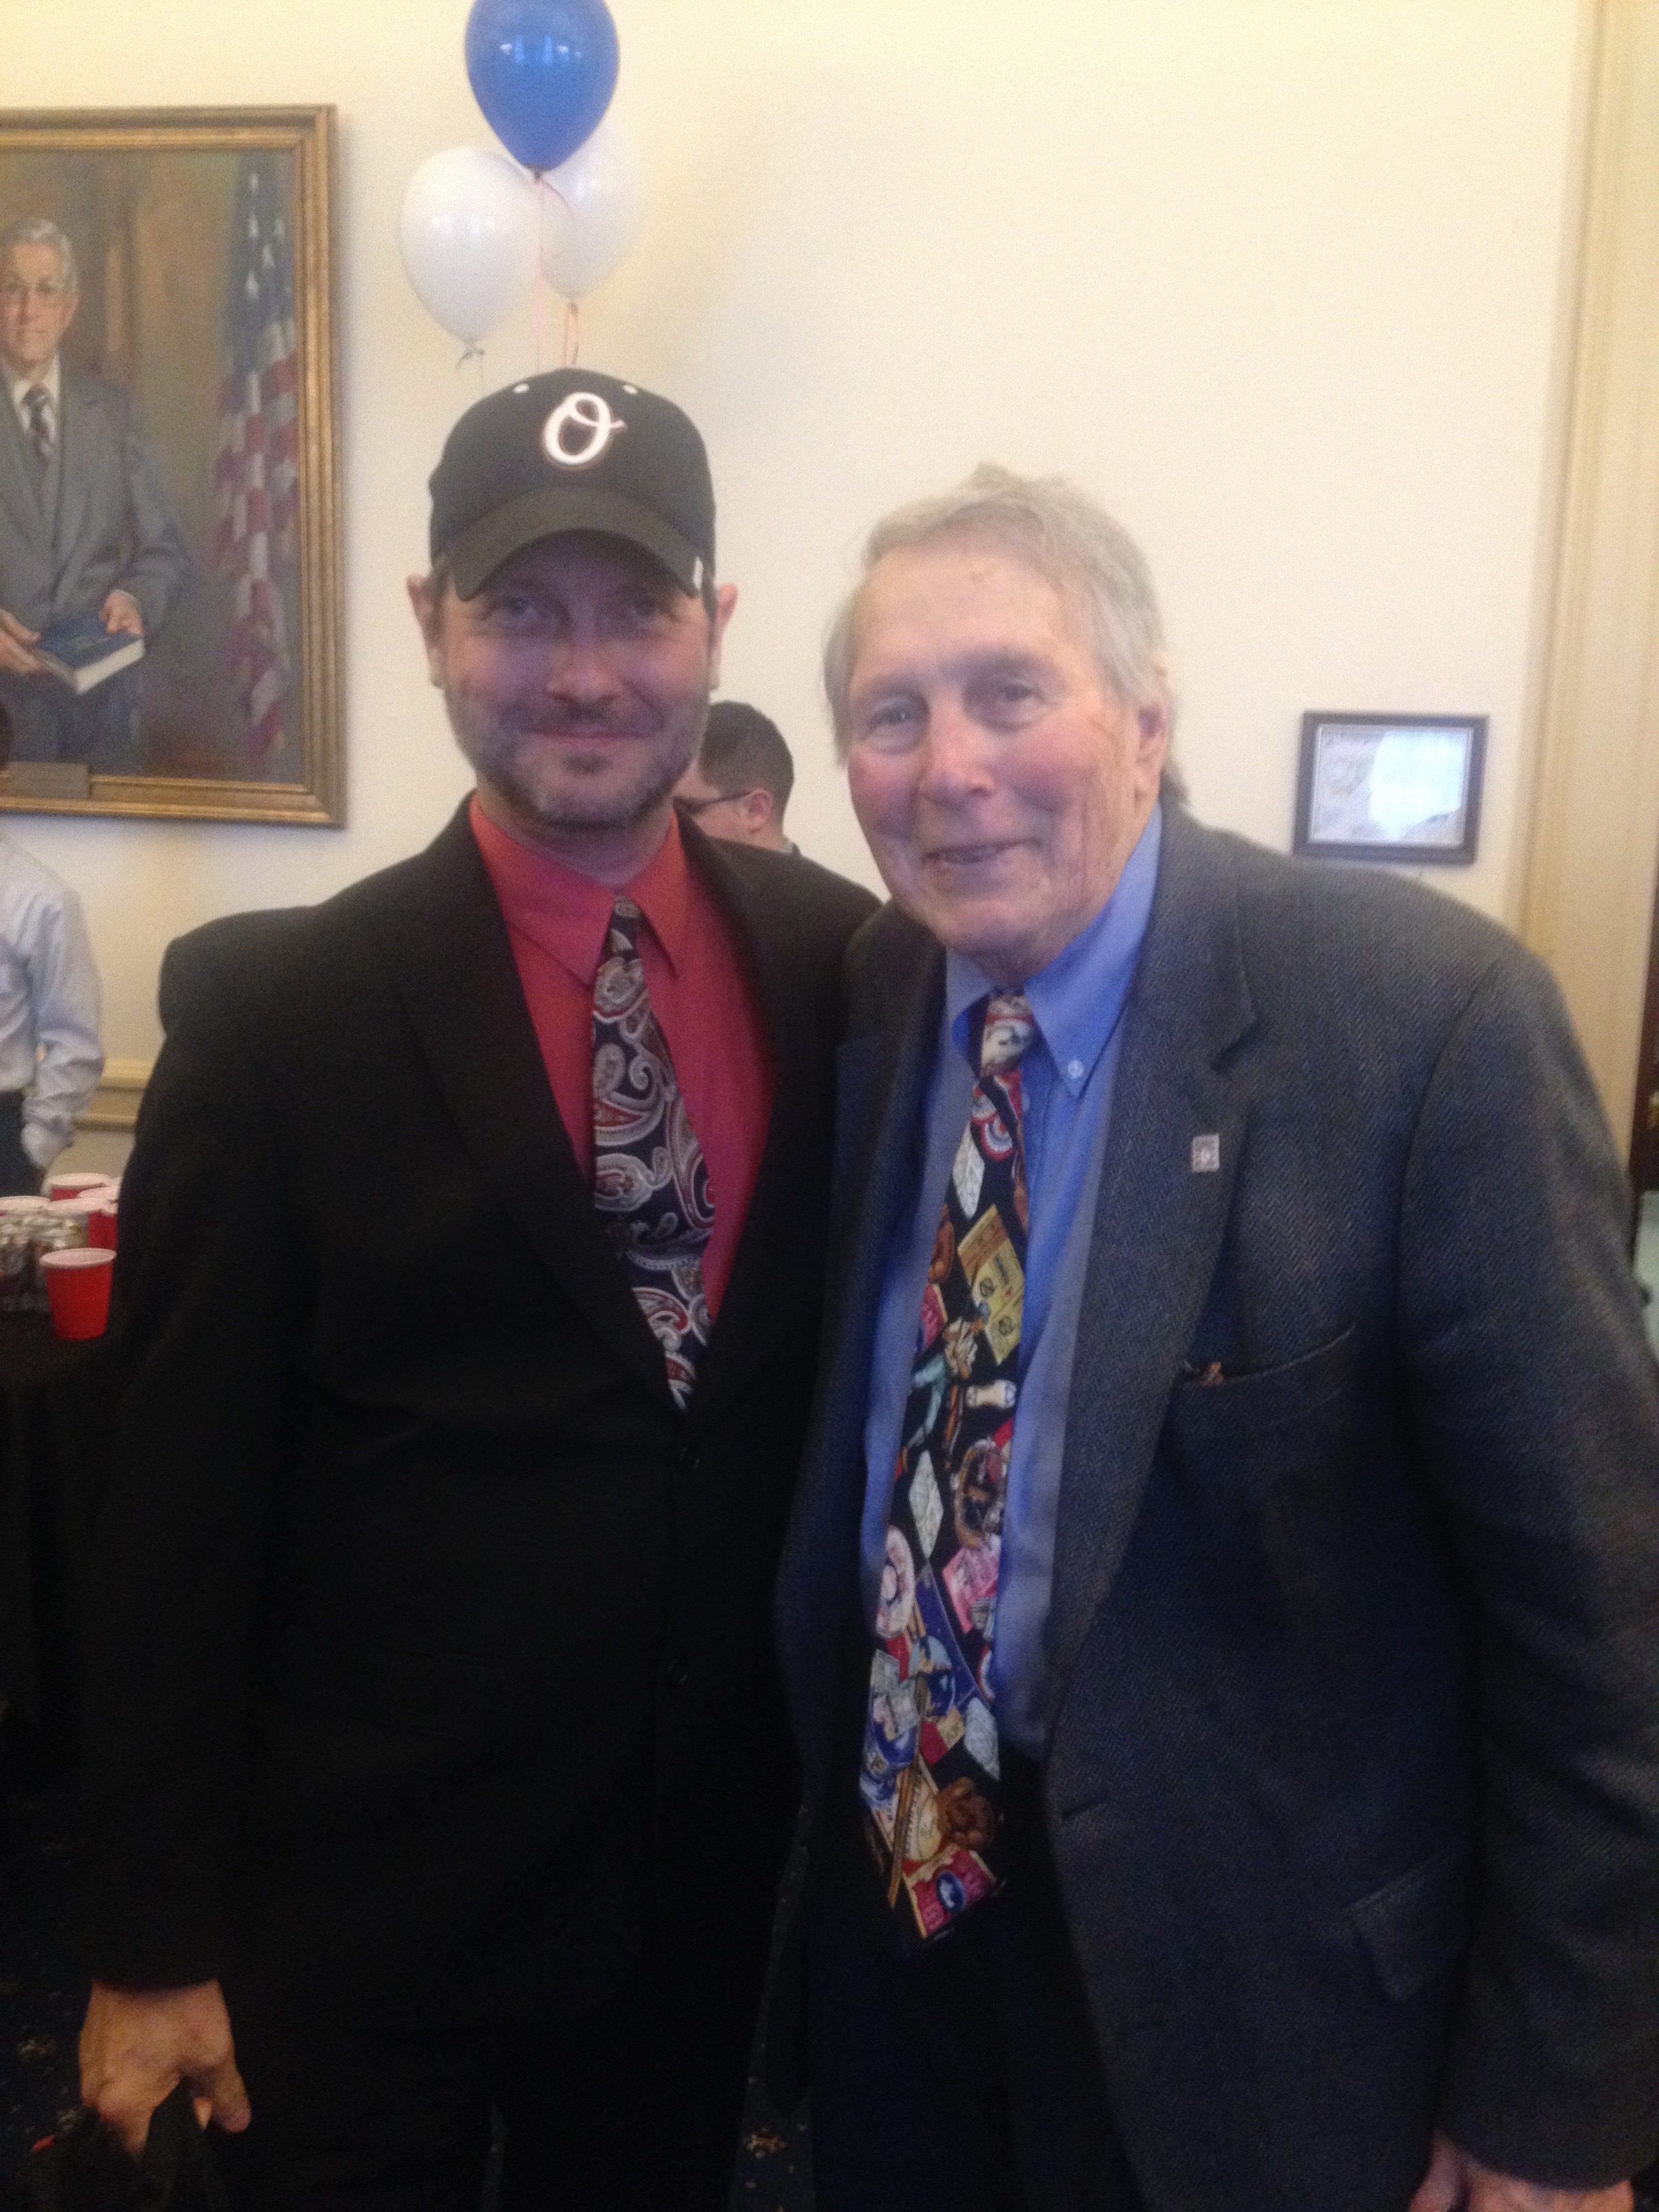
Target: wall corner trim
column 1593, row 846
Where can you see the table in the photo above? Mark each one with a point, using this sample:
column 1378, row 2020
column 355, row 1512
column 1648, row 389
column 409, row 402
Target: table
column 56, row 1403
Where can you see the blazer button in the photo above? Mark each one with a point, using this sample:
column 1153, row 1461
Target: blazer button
column 676, row 1674
column 688, row 1459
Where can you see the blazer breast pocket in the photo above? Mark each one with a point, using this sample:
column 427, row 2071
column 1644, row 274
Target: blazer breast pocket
column 1254, row 1468
column 1212, row 1405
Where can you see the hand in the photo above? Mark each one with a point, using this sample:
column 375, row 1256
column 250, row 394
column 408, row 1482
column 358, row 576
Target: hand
column 138, row 2044
column 15, row 639
column 120, row 612
column 1457, row 2183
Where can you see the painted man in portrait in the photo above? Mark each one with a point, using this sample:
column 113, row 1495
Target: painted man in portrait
column 86, row 530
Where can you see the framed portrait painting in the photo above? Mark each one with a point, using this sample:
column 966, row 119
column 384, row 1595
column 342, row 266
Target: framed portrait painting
column 1402, row 787
column 169, row 557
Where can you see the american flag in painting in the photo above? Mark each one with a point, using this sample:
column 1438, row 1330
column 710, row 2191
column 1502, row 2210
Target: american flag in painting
column 255, row 473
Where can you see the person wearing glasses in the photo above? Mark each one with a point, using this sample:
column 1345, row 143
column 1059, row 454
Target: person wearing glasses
column 740, row 784
column 736, row 790
column 86, row 530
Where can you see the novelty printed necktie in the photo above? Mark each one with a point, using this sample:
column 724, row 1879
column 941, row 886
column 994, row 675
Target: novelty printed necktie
column 38, row 401
column 929, row 1773
column 650, row 1184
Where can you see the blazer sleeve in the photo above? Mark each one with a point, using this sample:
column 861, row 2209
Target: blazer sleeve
column 158, row 560
column 1536, row 1400
column 206, row 1296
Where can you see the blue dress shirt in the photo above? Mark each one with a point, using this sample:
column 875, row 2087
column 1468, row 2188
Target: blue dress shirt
column 1078, row 1000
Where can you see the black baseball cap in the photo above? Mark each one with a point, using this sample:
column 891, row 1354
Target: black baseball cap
column 573, row 450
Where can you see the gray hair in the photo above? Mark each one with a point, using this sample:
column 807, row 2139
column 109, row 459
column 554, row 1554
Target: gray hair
column 1056, row 529
column 41, row 230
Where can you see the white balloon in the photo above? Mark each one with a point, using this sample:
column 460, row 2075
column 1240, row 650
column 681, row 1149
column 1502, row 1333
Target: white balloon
column 468, row 234
column 593, row 213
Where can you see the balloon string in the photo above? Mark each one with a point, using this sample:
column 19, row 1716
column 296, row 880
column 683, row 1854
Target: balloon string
column 541, row 254
column 573, row 333
column 547, row 190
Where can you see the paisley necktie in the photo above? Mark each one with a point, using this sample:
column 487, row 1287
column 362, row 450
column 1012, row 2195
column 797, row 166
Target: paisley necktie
column 650, row 1185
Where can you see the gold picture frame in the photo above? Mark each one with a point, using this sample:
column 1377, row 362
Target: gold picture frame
column 199, row 343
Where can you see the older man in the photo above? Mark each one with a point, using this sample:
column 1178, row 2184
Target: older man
column 1233, row 1738
column 87, row 531
column 470, row 1263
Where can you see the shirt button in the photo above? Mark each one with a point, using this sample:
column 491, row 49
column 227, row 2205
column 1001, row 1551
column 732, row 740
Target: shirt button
column 1075, row 1071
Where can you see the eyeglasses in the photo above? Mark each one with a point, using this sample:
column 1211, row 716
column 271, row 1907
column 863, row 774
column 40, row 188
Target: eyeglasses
column 49, row 288
column 691, row 808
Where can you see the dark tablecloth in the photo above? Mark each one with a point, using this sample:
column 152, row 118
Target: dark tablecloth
column 56, row 1408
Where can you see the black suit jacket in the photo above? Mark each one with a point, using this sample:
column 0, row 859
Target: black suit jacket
column 1353, row 1782
column 432, row 1640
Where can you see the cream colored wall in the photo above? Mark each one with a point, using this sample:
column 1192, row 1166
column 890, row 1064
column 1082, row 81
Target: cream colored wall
column 1281, row 279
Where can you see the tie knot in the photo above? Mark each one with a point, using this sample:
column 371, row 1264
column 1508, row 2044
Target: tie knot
column 38, row 400
column 624, row 927
column 1010, row 1026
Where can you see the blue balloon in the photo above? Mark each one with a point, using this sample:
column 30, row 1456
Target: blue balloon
column 542, row 71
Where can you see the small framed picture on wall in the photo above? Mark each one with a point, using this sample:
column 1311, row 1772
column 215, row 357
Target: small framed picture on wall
column 1402, row 787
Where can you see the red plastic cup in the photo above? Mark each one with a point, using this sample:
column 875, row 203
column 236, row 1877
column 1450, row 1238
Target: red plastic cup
column 78, row 1289
column 74, row 1186
column 100, row 1223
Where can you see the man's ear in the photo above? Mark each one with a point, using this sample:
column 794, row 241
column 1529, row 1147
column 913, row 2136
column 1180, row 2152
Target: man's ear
column 71, row 310
column 427, row 603
column 1152, row 722
column 726, row 599
column 756, row 808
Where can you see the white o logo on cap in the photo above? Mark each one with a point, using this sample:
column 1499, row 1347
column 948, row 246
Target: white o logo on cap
column 580, row 430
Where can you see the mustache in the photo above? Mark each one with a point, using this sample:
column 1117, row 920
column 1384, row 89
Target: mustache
column 574, row 722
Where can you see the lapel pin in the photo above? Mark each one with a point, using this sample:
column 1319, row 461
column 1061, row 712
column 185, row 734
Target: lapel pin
column 1207, row 1155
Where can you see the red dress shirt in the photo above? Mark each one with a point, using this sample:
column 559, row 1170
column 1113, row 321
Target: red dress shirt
column 701, row 993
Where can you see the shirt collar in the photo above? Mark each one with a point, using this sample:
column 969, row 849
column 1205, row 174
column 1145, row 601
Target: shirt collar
column 50, row 380
column 567, row 914
column 1080, row 996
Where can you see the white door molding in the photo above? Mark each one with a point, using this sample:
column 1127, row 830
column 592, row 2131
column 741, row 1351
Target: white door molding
column 1593, row 845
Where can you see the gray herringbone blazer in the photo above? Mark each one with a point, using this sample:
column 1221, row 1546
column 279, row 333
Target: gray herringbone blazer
column 1353, row 1785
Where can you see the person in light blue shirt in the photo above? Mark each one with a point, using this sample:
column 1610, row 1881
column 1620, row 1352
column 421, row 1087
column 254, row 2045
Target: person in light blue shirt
column 1220, row 1606
column 51, row 1056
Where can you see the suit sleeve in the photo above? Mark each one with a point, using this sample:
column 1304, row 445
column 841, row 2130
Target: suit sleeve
column 1537, row 1405
column 206, row 1291
column 158, row 560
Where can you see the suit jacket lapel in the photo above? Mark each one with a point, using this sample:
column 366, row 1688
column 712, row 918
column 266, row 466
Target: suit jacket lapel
column 752, row 1315
column 451, row 959
column 880, row 1144
column 84, row 428
column 881, row 1082
column 881, row 1152
column 19, row 478
column 1160, row 1216
column 750, row 1310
